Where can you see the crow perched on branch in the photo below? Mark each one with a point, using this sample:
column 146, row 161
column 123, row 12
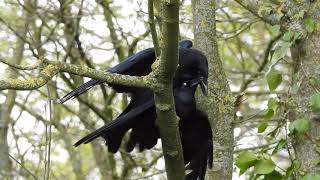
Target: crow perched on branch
column 140, row 115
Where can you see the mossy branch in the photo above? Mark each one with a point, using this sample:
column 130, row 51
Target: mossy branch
column 33, row 83
column 51, row 68
column 166, row 115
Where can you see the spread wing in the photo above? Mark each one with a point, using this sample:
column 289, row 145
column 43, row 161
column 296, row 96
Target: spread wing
column 138, row 64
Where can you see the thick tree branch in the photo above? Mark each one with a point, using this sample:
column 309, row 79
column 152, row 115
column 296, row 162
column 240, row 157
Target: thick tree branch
column 166, row 116
column 34, row 83
column 53, row 67
column 219, row 103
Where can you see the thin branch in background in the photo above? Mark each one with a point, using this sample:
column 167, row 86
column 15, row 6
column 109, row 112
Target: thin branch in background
column 153, row 28
column 148, row 176
column 45, row 148
column 254, row 9
column 245, row 85
column 135, row 41
column 27, row 170
column 23, row 67
column 257, row 147
column 49, row 140
column 31, row 47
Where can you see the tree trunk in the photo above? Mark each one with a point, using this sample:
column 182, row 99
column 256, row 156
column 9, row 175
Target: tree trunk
column 306, row 73
column 166, row 115
column 218, row 104
column 6, row 107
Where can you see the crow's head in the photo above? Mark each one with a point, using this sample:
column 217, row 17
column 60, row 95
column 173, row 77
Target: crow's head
column 191, row 72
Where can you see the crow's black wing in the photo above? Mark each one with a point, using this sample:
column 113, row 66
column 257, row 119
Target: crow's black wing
column 138, row 64
column 114, row 131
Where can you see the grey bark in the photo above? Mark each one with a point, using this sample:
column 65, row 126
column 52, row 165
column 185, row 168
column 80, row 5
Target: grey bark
column 305, row 83
column 218, row 104
column 166, row 116
column 306, row 58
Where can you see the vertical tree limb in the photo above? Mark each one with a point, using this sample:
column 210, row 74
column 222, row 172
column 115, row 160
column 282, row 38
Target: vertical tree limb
column 218, row 104
column 153, row 28
column 166, row 116
column 7, row 106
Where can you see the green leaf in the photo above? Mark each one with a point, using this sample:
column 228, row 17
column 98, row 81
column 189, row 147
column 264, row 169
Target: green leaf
column 268, row 115
column 275, row 175
column 275, row 29
column 299, row 126
column 288, row 36
column 262, row 126
column 264, row 166
column 279, row 53
column 314, row 102
column 311, row 177
column 310, row 24
column 274, row 79
column 245, row 160
column 301, row 14
column 273, row 104
column 281, row 144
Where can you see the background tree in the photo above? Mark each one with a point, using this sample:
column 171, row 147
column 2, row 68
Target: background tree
column 269, row 54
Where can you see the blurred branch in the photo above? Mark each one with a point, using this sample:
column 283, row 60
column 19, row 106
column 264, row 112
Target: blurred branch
column 256, row 147
column 120, row 51
column 246, row 83
column 135, row 41
column 253, row 7
column 22, row 67
column 263, row 64
column 148, row 176
column 20, row 36
column 258, row 93
column 153, row 28
column 23, row 167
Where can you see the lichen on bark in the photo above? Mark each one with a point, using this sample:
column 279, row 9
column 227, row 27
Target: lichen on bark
column 218, row 104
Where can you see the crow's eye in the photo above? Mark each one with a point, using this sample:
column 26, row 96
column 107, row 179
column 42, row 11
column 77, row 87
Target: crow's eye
column 184, row 84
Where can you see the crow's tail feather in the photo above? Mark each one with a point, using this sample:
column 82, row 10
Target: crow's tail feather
column 101, row 131
column 200, row 162
column 80, row 90
column 120, row 124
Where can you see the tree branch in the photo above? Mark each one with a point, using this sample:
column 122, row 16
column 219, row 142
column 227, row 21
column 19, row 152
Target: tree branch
column 166, row 114
column 54, row 67
column 153, row 28
column 253, row 7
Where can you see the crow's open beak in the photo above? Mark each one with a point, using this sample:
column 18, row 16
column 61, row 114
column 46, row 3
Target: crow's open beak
column 203, row 84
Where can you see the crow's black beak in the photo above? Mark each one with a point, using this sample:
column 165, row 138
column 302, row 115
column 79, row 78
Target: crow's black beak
column 203, row 84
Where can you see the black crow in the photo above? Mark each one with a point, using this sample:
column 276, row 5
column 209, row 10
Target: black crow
column 140, row 114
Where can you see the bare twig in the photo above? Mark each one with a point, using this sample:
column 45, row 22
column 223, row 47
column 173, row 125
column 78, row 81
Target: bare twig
column 23, row 167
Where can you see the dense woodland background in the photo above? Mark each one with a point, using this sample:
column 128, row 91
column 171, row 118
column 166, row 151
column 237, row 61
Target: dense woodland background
column 269, row 51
